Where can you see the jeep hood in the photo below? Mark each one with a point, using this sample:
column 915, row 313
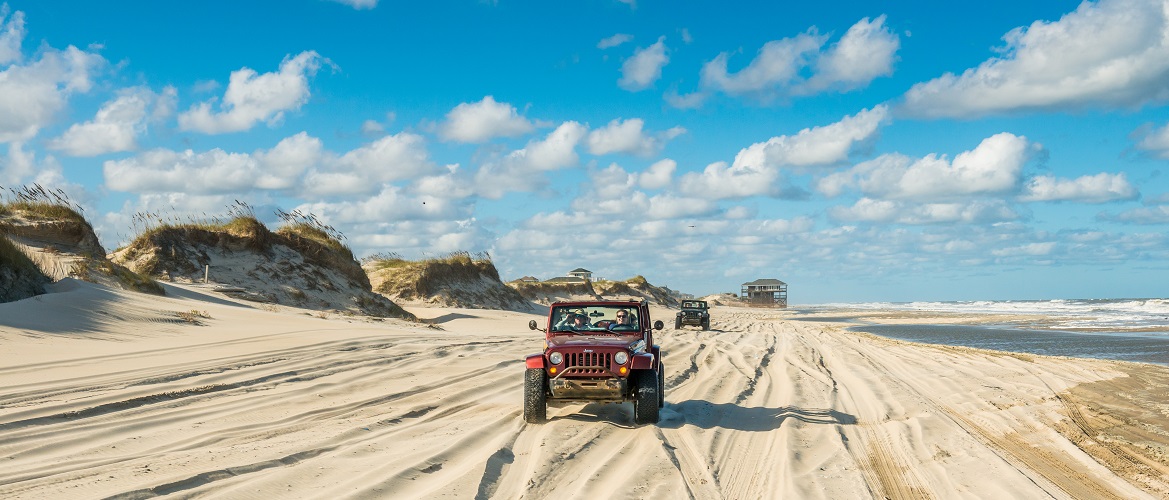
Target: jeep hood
column 622, row 341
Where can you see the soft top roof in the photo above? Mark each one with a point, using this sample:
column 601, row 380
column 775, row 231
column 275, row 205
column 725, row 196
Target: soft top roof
column 584, row 303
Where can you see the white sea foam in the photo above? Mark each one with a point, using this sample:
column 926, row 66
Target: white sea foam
column 1115, row 314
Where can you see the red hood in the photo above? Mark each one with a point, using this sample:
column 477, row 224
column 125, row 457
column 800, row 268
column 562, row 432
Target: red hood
column 570, row 340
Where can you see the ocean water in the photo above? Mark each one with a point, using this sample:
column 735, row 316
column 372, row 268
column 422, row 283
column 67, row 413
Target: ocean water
column 1105, row 315
column 1117, row 329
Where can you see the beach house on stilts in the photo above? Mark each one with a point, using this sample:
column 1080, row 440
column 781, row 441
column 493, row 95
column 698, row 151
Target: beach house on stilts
column 765, row 292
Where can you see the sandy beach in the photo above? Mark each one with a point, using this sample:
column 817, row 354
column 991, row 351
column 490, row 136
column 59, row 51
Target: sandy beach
column 106, row 393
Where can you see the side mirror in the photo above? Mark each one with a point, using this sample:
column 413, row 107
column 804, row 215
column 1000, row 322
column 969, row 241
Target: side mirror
column 532, row 325
column 658, row 325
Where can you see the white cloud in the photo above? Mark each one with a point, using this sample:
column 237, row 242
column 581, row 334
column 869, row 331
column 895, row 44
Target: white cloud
column 358, row 4
column 11, row 34
column 1108, row 53
column 641, row 70
column 251, row 98
column 522, row 169
column 282, row 166
column 693, row 100
column 116, row 127
column 799, row 65
column 31, row 94
column 721, row 181
column 1156, row 141
column 816, row 146
column 886, row 211
column 627, row 136
column 614, row 41
column 659, row 175
column 160, row 170
column 992, row 168
column 482, row 121
column 1029, row 250
column 867, row 51
column 1157, row 214
column 390, row 204
column 1099, row 188
column 367, row 168
column 777, row 64
column 298, row 162
column 371, row 128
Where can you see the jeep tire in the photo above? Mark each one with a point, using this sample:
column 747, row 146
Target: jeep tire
column 706, row 324
column 678, row 323
column 535, row 399
column 645, row 398
column 661, row 385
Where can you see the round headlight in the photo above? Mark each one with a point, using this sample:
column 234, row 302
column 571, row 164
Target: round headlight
column 556, row 358
column 621, row 358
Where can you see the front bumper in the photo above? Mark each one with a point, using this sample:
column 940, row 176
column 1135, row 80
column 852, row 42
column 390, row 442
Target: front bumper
column 692, row 320
column 589, row 389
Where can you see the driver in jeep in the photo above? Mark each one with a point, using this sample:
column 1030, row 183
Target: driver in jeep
column 624, row 321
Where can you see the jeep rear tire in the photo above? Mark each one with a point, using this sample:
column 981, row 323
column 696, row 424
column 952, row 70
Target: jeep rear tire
column 645, row 398
column 535, row 399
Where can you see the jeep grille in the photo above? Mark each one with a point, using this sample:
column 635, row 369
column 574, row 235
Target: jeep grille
column 597, row 359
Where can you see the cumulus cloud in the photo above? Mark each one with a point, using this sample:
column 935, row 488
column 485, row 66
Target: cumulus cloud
column 659, row 175
column 297, row 163
column 867, row 51
column 364, row 169
column 1108, row 53
column 391, row 204
column 722, row 181
column 900, row 212
column 627, row 136
column 992, row 168
column 641, row 70
column 117, row 125
column 482, row 121
column 251, row 98
column 614, row 41
column 32, row 93
column 1099, row 188
column 11, row 34
column 161, row 170
column 817, row 146
column 1156, row 141
column 522, row 169
column 1157, row 214
column 800, row 65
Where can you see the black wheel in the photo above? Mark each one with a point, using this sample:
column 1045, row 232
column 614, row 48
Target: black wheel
column 661, row 385
column 678, row 323
column 706, row 324
column 535, row 399
column 645, row 398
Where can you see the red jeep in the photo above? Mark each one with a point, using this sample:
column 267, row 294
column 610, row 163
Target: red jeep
column 596, row 351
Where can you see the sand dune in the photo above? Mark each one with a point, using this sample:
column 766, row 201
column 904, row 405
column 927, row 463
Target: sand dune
column 132, row 401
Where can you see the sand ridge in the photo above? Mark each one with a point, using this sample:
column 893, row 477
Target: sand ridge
column 284, row 403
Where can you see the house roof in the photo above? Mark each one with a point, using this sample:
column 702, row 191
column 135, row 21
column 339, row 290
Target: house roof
column 565, row 279
column 764, row 282
column 580, row 270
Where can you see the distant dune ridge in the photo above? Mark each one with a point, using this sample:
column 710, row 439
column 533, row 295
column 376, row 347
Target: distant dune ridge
column 456, row 280
column 297, row 265
column 44, row 239
column 636, row 288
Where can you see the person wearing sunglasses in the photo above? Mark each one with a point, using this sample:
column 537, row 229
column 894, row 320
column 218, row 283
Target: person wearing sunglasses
column 624, row 321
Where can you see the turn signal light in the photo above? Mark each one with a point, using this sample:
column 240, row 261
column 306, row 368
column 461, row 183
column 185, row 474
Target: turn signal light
column 623, row 370
column 553, row 370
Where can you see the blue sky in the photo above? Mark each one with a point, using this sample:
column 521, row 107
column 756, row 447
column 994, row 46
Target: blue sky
column 867, row 151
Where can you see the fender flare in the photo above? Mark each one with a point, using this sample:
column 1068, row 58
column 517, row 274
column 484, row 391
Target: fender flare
column 644, row 361
column 534, row 361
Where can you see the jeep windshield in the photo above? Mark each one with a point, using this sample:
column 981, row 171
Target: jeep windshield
column 693, row 304
column 621, row 320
